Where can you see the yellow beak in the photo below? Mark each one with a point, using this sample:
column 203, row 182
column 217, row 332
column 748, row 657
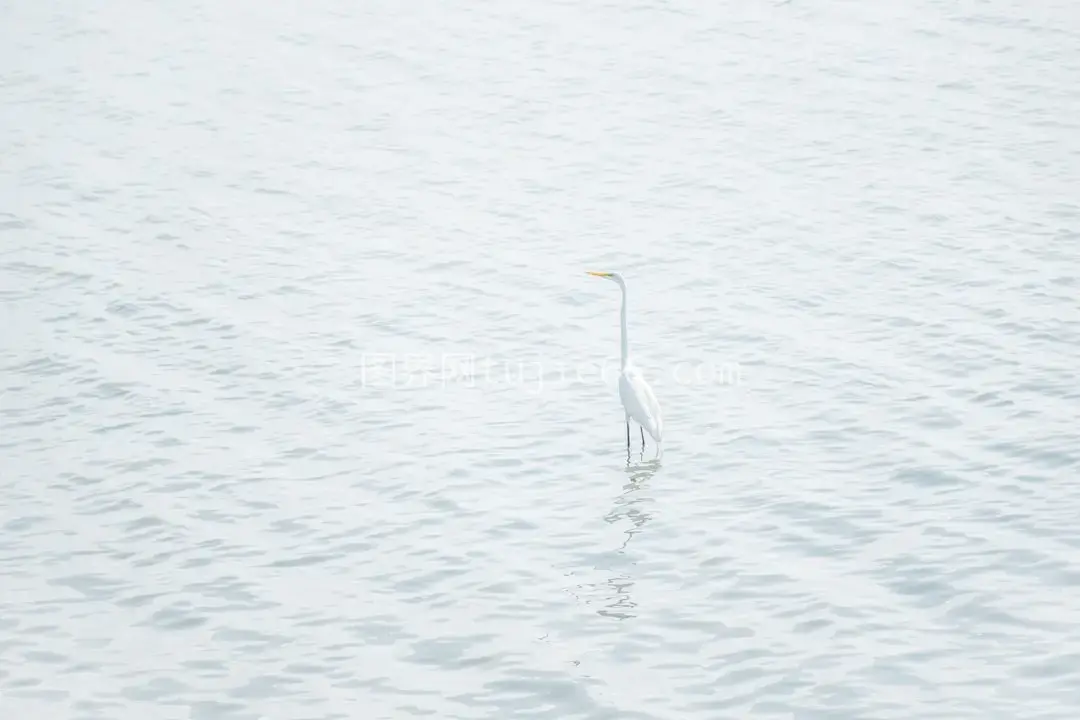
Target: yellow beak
column 598, row 274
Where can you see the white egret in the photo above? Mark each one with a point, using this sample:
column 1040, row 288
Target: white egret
column 637, row 397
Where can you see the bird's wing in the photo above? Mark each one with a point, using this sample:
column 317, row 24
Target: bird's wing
column 653, row 406
column 641, row 403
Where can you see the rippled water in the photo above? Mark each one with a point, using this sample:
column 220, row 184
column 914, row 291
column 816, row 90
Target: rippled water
column 308, row 407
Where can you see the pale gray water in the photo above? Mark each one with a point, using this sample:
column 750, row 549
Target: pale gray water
column 858, row 221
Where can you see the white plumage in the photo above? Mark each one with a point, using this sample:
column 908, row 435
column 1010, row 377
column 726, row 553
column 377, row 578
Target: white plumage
column 640, row 402
column 638, row 399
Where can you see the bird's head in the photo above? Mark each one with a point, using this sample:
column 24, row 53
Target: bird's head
column 614, row 276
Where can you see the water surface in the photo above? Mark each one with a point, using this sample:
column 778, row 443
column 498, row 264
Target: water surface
column 850, row 233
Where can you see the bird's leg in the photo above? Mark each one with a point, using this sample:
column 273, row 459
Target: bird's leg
column 642, row 439
column 627, row 434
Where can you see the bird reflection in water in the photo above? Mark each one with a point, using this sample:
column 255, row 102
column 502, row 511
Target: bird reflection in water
column 629, row 505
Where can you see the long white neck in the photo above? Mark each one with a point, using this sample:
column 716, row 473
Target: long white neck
column 625, row 343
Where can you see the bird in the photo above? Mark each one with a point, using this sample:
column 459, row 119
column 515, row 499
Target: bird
column 638, row 399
